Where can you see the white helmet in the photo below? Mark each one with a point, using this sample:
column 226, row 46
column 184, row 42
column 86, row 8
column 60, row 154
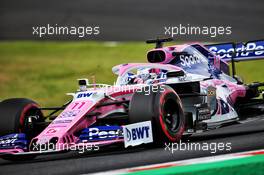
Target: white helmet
column 143, row 73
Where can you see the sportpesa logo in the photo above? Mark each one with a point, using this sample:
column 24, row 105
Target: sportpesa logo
column 251, row 49
column 188, row 61
column 103, row 134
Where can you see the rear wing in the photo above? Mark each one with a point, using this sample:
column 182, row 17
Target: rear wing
column 251, row 50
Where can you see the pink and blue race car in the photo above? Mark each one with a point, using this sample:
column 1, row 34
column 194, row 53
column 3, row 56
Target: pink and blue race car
column 183, row 89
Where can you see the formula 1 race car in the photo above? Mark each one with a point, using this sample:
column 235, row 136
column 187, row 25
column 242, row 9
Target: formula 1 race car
column 183, row 89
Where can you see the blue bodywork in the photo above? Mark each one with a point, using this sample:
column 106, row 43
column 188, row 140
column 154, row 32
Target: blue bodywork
column 14, row 141
column 100, row 133
column 251, row 50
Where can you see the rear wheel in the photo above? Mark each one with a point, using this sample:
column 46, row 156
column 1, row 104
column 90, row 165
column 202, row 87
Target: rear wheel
column 20, row 115
column 163, row 108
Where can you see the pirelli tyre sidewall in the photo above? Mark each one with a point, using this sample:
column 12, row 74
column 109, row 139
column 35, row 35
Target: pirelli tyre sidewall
column 157, row 106
column 14, row 115
column 167, row 103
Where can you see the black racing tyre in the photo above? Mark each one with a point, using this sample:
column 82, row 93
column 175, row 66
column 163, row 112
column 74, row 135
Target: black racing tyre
column 162, row 106
column 14, row 114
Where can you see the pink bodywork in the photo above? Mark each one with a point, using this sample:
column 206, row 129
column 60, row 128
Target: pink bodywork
column 236, row 90
column 65, row 131
column 179, row 48
column 120, row 70
column 64, row 127
column 12, row 151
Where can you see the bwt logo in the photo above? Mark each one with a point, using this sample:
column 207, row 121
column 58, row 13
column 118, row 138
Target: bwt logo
column 138, row 133
column 83, row 95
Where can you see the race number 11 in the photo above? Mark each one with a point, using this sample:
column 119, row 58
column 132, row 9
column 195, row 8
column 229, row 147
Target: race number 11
column 78, row 105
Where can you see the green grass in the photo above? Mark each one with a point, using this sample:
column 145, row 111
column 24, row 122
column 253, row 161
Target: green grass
column 253, row 165
column 45, row 71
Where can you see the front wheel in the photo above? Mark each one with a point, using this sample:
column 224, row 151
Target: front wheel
column 162, row 106
column 20, row 115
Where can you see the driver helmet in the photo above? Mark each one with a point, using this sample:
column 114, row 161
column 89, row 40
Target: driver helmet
column 129, row 76
column 143, row 73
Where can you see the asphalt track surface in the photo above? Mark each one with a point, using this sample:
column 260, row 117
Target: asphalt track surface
column 136, row 20
column 243, row 137
column 123, row 20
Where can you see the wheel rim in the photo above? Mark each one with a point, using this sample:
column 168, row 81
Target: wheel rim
column 30, row 128
column 171, row 115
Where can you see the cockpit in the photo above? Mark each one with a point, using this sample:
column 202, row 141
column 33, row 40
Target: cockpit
column 142, row 73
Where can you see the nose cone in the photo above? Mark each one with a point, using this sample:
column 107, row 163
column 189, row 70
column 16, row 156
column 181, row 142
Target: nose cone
column 44, row 144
